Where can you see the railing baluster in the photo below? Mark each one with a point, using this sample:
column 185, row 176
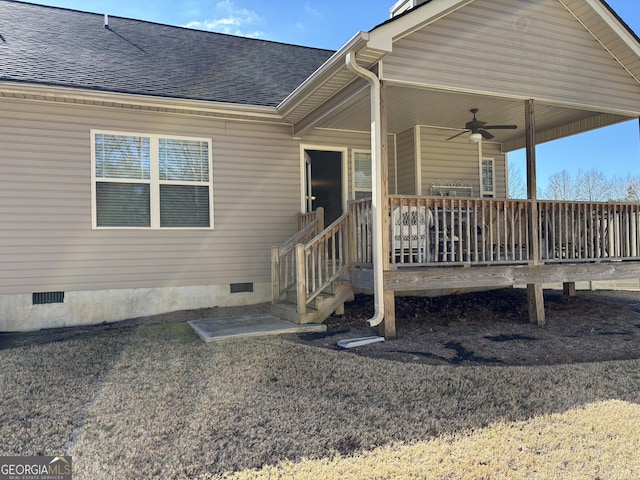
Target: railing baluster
column 636, row 230
column 474, row 231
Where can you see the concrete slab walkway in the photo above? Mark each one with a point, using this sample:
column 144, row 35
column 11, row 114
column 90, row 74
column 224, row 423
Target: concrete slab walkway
column 257, row 324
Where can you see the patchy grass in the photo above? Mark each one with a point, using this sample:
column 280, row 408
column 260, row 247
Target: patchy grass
column 596, row 441
column 155, row 402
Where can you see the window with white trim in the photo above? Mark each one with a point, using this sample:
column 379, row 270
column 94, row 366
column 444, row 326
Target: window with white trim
column 361, row 174
column 151, row 181
column 487, row 183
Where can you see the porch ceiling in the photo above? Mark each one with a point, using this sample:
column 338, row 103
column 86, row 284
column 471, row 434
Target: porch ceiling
column 409, row 106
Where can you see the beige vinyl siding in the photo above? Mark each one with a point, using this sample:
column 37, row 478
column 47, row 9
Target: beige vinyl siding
column 406, row 152
column 525, row 49
column 46, row 239
column 391, row 156
column 458, row 159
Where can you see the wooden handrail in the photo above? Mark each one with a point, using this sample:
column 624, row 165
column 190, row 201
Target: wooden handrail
column 454, row 230
column 313, row 258
column 588, row 231
column 467, row 231
column 283, row 258
column 440, row 231
column 309, row 231
column 326, row 258
column 315, row 217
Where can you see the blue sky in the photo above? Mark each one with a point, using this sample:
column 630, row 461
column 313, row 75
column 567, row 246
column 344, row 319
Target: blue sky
column 331, row 23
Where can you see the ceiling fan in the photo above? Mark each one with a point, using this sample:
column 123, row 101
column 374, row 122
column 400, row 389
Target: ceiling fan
column 479, row 129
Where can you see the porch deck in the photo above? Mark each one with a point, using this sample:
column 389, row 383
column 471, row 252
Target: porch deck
column 437, row 243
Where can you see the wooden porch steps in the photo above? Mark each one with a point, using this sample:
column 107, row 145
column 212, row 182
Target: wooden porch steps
column 329, row 301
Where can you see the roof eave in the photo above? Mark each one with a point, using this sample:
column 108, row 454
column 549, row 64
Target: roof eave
column 620, row 21
column 383, row 35
column 377, row 43
column 317, row 79
column 85, row 96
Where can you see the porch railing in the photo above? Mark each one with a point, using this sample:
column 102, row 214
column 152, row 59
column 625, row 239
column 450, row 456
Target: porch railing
column 283, row 258
column 436, row 230
column 321, row 261
column 308, row 264
column 453, row 230
column 360, row 216
column 584, row 231
column 443, row 231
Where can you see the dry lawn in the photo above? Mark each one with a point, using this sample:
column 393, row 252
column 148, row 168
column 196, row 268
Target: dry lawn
column 153, row 401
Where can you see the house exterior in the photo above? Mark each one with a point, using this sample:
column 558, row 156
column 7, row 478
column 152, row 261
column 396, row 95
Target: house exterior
column 146, row 168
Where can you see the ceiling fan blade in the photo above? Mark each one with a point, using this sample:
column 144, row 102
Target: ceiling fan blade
column 456, row 135
column 501, row 127
column 486, row 135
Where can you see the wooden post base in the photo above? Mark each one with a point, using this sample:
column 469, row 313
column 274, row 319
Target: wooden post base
column 387, row 328
column 569, row 289
column 535, row 300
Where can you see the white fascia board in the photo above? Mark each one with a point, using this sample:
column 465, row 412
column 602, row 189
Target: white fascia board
column 382, row 37
column 335, row 63
column 610, row 19
column 11, row 89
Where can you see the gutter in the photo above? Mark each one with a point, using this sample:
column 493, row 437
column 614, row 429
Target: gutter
column 376, row 168
column 11, row 89
column 317, row 78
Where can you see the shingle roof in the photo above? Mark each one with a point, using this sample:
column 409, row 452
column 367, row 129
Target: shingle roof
column 62, row 47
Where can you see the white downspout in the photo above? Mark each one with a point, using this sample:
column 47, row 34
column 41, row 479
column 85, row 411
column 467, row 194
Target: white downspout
column 376, row 168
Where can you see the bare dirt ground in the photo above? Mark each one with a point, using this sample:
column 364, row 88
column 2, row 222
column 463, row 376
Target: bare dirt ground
column 483, row 328
column 492, row 328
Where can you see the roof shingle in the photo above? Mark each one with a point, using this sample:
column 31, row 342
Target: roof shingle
column 61, row 47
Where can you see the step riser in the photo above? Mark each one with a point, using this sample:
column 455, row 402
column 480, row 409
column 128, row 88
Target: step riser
column 322, row 306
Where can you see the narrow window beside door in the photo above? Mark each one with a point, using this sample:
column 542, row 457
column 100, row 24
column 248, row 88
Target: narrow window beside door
column 487, row 181
column 361, row 175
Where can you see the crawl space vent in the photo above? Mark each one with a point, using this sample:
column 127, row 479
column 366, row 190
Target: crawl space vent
column 241, row 287
column 42, row 298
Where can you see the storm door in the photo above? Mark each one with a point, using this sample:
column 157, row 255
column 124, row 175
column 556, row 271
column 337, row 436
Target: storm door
column 324, row 182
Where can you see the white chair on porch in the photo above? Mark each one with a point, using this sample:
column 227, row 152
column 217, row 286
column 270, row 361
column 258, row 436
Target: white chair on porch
column 410, row 232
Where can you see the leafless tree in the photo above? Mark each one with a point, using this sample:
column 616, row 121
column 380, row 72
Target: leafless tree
column 561, row 187
column 517, row 182
column 592, row 186
column 625, row 189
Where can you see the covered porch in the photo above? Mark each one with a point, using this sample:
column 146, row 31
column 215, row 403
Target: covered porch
column 446, row 92
column 435, row 243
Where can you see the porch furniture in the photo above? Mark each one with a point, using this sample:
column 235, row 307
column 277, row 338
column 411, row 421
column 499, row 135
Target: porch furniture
column 411, row 239
column 448, row 188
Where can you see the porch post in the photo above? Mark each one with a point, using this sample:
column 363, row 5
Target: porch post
column 388, row 327
column 275, row 275
column 569, row 289
column 301, row 280
column 534, row 291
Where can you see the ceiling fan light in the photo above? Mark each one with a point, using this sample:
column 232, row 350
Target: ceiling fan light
column 475, row 137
